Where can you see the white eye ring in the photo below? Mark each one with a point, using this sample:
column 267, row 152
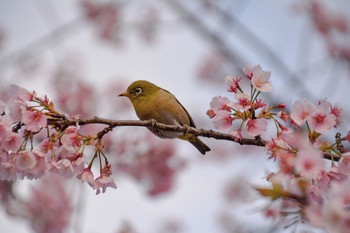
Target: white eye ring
column 138, row 90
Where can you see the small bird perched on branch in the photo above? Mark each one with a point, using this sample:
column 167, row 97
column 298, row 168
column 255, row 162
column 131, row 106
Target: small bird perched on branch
column 153, row 102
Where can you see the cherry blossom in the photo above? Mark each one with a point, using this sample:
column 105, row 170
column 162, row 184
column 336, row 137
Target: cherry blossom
column 320, row 121
column 12, row 142
column 220, row 103
column 301, row 111
column 40, row 167
column 34, row 120
column 223, row 120
column 261, row 80
column 87, row 176
column 309, row 162
column 20, row 93
column 9, row 170
column 71, row 140
column 25, row 160
column 15, row 109
column 243, row 102
column 256, row 126
column 233, row 83
column 249, row 72
column 103, row 182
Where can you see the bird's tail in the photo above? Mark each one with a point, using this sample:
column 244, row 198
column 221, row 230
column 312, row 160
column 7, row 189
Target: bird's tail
column 201, row 146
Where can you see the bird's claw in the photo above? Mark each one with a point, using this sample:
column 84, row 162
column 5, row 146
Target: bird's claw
column 186, row 129
column 155, row 130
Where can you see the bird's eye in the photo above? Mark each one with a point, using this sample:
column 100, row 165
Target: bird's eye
column 138, row 91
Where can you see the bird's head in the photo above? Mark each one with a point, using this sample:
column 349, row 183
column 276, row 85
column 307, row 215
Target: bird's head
column 140, row 89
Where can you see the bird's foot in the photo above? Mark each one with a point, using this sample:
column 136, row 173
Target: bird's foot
column 154, row 129
column 186, row 129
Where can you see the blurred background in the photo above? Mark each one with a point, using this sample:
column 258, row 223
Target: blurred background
column 83, row 53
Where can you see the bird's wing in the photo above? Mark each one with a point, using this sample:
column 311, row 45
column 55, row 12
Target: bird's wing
column 183, row 121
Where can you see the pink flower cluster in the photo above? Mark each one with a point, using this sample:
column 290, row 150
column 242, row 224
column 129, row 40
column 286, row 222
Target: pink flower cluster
column 252, row 112
column 26, row 152
column 305, row 182
column 319, row 118
column 15, row 161
column 314, row 188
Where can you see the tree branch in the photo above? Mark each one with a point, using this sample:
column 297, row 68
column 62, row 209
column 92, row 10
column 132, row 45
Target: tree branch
column 257, row 141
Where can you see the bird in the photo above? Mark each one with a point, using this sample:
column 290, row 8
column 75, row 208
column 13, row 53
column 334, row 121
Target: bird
column 153, row 102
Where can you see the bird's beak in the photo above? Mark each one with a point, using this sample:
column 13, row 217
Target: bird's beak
column 125, row 93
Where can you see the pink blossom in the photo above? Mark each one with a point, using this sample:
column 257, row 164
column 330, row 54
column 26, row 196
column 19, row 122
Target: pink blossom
column 320, row 121
column 103, row 182
column 16, row 107
column 71, row 140
column 40, row 167
column 25, row 160
column 301, row 111
column 8, row 169
column 62, row 167
column 277, row 145
column 243, row 102
column 66, row 167
column 261, row 80
column 332, row 213
column 256, row 126
column 309, row 162
column 223, row 120
column 233, row 83
column 220, row 103
column 324, row 104
column 34, row 120
column 12, row 142
column 249, row 72
column 47, row 145
column 87, row 176
column 339, row 193
column 286, row 163
column 20, row 93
